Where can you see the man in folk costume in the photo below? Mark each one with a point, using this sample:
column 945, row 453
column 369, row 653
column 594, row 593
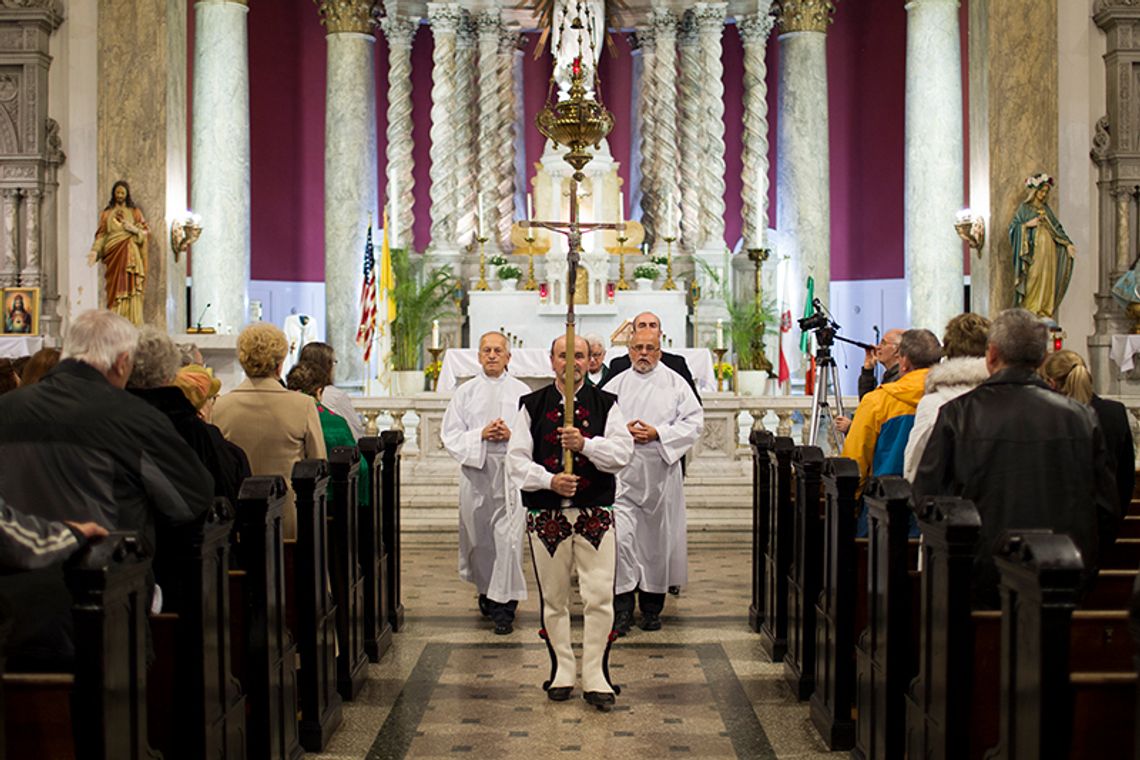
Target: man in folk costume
column 665, row 420
column 570, row 516
column 475, row 433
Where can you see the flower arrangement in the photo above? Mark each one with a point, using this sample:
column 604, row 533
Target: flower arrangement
column 431, row 371
column 509, row 272
column 1037, row 180
column 645, row 272
column 659, row 260
column 497, row 260
column 723, row 370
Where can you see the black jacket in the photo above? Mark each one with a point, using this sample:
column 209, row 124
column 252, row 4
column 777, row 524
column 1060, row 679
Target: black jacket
column 1113, row 419
column 868, row 382
column 675, row 362
column 225, row 461
column 1028, row 457
column 75, row 447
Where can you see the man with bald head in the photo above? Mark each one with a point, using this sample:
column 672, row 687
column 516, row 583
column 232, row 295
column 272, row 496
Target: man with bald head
column 647, row 320
column 665, row 420
column 569, row 518
column 475, row 433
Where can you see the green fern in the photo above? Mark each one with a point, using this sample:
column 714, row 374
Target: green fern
column 419, row 300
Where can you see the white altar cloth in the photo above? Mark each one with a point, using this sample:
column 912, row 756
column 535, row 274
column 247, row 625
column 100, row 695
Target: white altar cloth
column 1124, row 349
column 13, row 347
column 460, row 364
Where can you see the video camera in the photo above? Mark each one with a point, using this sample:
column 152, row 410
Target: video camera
column 826, row 328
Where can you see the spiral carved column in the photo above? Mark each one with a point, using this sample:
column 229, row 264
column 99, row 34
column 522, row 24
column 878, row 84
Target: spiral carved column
column 647, row 106
column 509, row 39
column 692, row 78
column 754, row 32
column 667, row 152
column 400, row 33
column 489, row 24
column 464, row 120
column 445, row 19
column 709, row 18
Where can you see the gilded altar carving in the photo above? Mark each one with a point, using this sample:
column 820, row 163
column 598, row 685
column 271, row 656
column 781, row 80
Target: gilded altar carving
column 804, row 15
column 338, row 16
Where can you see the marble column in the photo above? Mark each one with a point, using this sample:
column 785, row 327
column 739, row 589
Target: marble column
column 32, row 273
column 10, row 272
column 709, row 18
column 509, row 38
column 667, row 149
column 142, row 138
column 934, row 168
column 220, row 164
column 647, row 108
column 445, row 19
column 691, row 102
column 802, row 177
column 754, row 31
column 400, row 32
column 464, row 120
column 489, row 25
column 350, row 172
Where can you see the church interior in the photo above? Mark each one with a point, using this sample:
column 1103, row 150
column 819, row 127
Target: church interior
column 760, row 196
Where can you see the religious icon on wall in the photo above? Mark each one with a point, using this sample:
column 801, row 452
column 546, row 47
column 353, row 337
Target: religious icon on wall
column 21, row 311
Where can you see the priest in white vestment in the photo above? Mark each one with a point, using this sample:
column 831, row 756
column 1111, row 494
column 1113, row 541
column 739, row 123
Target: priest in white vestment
column 665, row 420
column 491, row 517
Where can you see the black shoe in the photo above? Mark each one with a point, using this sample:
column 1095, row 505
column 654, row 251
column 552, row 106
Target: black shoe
column 603, row 700
column 559, row 693
column 484, row 606
column 675, row 590
column 503, row 627
column 623, row 621
column 650, row 621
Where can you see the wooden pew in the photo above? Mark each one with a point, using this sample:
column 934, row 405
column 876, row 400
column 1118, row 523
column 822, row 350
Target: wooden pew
column 100, row 712
column 265, row 652
column 761, row 442
column 804, row 569
column 883, row 653
column 373, row 556
column 1134, row 627
column 196, row 706
column 1068, row 687
column 391, row 441
column 834, row 697
column 778, row 550
column 315, row 611
column 345, row 570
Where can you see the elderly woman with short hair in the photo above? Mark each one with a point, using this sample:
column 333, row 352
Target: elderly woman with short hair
column 276, row 427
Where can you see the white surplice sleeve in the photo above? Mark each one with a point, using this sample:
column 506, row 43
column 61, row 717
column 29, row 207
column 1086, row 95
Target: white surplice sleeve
column 527, row 474
column 465, row 446
column 675, row 439
column 613, row 451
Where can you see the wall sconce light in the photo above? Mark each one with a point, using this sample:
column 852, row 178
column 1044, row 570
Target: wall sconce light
column 971, row 227
column 183, row 232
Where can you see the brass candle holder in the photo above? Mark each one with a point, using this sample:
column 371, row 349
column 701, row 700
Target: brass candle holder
column 526, row 241
column 719, row 352
column 482, row 284
column 629, row 237
column 669, row 284
column 435, row 354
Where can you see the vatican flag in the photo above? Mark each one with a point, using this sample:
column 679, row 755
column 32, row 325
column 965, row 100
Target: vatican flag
column 386, row 311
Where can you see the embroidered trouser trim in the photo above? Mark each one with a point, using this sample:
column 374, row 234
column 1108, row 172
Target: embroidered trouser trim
column 595, row 568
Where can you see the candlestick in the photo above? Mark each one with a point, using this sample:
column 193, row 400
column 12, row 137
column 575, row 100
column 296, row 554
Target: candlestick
column 436, row 352
column 479, row 216
column 720, row 334
column 720, row 352
column 669, row 284
column 482, row 284
column 435, row 333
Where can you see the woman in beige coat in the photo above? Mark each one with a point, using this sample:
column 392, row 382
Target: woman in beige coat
column 276, row 427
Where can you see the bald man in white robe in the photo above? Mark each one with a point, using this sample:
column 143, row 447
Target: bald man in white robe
column 491, row 516
column 665, row 420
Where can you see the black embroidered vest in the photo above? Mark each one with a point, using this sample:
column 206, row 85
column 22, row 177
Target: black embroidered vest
column 592, row 406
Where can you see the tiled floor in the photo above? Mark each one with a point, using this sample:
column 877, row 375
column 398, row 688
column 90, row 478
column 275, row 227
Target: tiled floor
column 700, row 687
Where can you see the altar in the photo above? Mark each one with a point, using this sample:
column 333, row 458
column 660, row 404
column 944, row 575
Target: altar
column 526, row 318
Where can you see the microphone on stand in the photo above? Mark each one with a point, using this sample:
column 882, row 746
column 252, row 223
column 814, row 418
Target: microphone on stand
column 198, row 324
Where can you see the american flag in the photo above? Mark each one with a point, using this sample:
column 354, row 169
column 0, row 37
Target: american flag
column 367, row 328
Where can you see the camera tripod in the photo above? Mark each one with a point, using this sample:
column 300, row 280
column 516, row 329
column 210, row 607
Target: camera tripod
column 826, row 389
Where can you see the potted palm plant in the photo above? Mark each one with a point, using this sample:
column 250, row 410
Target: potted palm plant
column 420, row 298
column 747, row 323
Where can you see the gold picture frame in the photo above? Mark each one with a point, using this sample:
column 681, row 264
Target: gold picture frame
column 21, row 311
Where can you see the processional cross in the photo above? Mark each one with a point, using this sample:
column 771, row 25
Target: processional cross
column 578, row 122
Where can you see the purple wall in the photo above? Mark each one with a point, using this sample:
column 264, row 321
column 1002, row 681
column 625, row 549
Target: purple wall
column 866, row 56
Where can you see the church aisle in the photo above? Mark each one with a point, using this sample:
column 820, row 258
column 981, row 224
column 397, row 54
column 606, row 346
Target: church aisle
column 700, row 687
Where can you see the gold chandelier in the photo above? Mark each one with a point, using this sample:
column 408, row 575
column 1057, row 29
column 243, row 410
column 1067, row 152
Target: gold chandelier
column 577, row 122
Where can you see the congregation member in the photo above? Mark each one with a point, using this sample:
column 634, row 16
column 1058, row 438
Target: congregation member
column 38, row 365
column 9, row 376
column 570, row 516
column 1066, row 372
column 201, row 389
column 275, row 426
column 598, row 371
column 28, row 542
column 335, row 400
column 647, row 320
column 963, row 368
column 885, row 354
column 153, row 380
column 475, row 432
column 665, row 420
column 1026, row 456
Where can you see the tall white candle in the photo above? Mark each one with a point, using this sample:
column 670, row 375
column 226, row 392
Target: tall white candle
column 720, row 333
column 478, row 218
column 621, row 205
column 435, row 333
column 530, row 206
column 671, row 229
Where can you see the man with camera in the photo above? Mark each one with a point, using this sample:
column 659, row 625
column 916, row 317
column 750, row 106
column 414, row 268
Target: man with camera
column 887, row 354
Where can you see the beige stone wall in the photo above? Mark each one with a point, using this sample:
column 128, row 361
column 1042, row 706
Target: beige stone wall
column 142, row 131
column 1013, row 127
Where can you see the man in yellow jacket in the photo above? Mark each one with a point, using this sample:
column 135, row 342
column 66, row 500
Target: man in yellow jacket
column 883, row 420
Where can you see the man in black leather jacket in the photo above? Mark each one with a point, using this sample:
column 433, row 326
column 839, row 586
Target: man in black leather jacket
column 1026, row 456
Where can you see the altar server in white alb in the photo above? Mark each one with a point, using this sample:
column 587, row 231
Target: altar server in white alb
column 665, row 420
column 491, row 516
